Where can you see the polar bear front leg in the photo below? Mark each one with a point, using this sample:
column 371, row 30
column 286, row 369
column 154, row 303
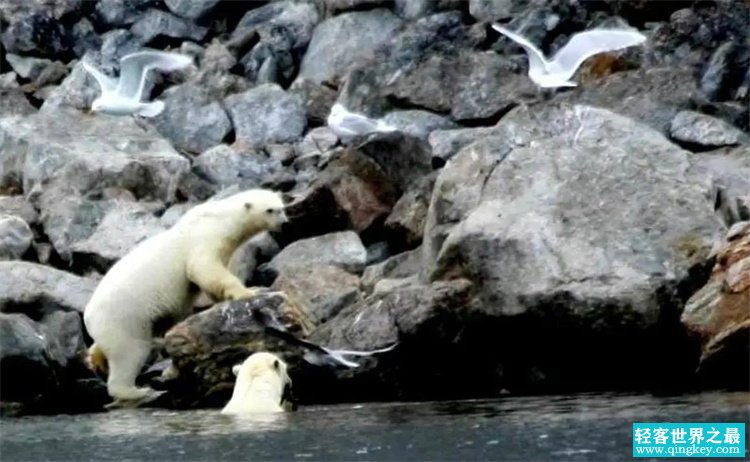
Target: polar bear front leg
column 216, row 280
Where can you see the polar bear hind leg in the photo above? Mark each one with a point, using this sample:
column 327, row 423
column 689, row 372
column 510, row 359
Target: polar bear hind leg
column 125, row 364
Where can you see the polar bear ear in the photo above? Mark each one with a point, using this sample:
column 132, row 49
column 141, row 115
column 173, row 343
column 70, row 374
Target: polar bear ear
column 236, row 369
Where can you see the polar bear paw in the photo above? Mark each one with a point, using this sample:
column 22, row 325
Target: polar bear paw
column 238, row 293
column 138, row 398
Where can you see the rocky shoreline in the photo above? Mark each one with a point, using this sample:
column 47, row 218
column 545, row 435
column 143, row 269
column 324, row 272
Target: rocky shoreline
column 510, row 241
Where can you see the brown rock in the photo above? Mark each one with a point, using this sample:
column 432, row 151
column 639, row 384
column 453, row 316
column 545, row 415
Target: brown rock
column 719, row 313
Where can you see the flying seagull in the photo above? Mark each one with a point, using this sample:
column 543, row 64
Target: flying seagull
column 349, row 125
column 581, row 46
column 316, row 354
column 123, row 96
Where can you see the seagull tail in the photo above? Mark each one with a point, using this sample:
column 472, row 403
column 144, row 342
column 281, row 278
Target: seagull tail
column 151, row 109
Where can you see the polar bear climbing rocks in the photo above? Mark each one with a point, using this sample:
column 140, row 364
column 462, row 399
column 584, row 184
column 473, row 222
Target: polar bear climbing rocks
column 157, row 279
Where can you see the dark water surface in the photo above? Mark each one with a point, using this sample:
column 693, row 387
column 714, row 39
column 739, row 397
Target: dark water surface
column 577, row 427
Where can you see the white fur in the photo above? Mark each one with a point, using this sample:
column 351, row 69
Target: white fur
column 153, row 280
column 260, row 384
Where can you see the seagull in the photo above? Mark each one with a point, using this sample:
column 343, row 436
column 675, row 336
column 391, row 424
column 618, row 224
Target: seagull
column 349, row 125
column 581, row 46
column 123, row 96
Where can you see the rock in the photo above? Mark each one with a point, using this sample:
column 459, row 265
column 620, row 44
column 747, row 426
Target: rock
column 214, row 75
column 33, row 68
column 471, row 85
column 653, row 96
column 490, row 10
column 554, row 219
column 191, row 120
column 334, row 6
column 225, row 166
column 320, row 291
column 62, row 152
column 318, row 99
column 63, row 332
column 191, row 9
column 13, row 102
column 729, row 171
column 118, row 13
column 404, row 159
column 23, row 349
column 712, row 81
column 38, row 34
column 37, row 290
column 261, row 247
column 339, row 42
column 717, row 314
column 342, row 249
column 305, row 213
column 205, row 346
column 319, row 140
column 15, row 237
column 399, row 266
column 417, row 123
column 266, row 114
column 156, row 23
column 352, row 192
column 298, row 19
column 405, row 224
column 446, row 143
column 694, row 128
column 272, row 39
column 13, row 10
column 78, row 91
column 420, row 318
column 18, row 206
column 99, row 232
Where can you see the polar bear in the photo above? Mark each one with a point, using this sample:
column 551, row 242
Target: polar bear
column 160, row 279
column 261, row 385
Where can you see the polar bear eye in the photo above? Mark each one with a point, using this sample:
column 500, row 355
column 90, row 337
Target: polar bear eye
column 270, row 211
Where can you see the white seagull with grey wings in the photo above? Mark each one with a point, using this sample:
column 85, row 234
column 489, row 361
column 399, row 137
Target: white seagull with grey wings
column 123, row 96
column 557, row 71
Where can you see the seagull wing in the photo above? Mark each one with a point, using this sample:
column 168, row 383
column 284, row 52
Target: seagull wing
column 536, row 57
column 589, row 43
column 106, row 83
column 356, row 124
column 135, row 66
column 365, row 353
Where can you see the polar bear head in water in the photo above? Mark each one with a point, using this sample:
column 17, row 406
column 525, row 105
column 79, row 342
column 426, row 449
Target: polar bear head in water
column 260, row 385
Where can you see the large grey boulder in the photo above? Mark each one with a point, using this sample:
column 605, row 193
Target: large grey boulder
column 15, row 237
column 595, row 230
column 266, row 114
column 64, row 152
column 37, row 289
column 320, row 291
column 339, row 42
column 342, row 249
column 191, row 119
column 99, row 231
column 226, row 166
